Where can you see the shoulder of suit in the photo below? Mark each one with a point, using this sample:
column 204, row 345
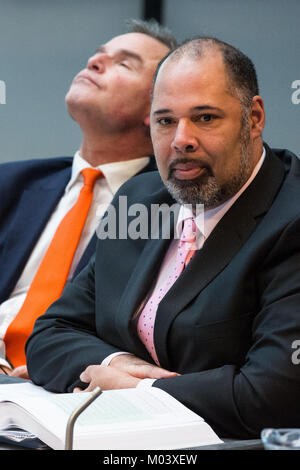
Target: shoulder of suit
column 288, row 158
column 37, row 166
column 29, row 173
column 288, row 194
column 52, row 162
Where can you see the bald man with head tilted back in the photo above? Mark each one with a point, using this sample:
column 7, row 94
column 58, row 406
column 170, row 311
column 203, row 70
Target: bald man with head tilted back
column 110, row 100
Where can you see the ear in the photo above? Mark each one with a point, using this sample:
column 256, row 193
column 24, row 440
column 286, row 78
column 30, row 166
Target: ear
column 146, row 121
column 257, row 117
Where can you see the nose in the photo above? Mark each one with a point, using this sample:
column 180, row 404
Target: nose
column 185, row 139
column 97, row 62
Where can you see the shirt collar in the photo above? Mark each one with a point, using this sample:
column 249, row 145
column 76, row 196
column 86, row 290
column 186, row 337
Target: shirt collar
column 207, row 220
column 115, row 173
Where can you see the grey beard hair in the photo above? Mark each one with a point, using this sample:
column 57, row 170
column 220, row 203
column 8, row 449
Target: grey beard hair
column 209, row 192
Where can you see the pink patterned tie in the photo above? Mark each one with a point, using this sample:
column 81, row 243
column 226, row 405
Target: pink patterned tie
column 185, row 251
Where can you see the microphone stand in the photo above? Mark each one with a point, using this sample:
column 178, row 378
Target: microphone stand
column 74, row 416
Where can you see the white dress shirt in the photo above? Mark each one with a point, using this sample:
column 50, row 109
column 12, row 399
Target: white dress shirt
column 205, row 223
column 116, row 174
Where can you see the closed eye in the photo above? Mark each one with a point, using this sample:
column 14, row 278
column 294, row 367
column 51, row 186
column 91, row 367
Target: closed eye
column 125, row 64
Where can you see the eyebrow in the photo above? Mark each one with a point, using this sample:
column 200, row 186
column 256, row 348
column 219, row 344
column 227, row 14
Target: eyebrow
column 195, row 108
column 123, row 52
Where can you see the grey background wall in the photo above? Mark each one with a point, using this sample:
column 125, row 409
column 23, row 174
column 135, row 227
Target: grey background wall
column 268, row 31
column 44, row 43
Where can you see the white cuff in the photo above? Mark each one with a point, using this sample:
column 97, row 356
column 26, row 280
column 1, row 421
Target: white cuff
column 3, row 362
column 107, row 360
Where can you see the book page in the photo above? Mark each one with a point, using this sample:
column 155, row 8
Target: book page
column 128, row 405
column 38, row 402
column 113, row 406
column 119, row 413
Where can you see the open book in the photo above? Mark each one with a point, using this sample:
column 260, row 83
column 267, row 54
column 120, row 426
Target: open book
column 132, row 418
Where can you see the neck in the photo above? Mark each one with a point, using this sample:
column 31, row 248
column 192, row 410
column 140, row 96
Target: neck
column 257, row 150
column 99, row 149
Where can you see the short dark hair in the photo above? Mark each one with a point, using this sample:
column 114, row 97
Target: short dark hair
column 240, row 69
column 152, row 28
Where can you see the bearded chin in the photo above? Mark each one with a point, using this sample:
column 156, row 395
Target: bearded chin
column 193, row 191
column 206, row 190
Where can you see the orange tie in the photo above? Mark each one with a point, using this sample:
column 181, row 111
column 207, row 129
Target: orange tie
column 52, row 273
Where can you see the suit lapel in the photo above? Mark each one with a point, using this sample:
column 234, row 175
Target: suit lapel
column 137, row 289
column 34, row 210
column 225, row 241
column 88, row 252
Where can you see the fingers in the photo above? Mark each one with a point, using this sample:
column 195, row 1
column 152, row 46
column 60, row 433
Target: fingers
column 125, row 373
column 139, row 368
column 90, row 388
column 151, row 372
column 107, row 378
column 87, row 376
column 88, row 373
column 20, row 372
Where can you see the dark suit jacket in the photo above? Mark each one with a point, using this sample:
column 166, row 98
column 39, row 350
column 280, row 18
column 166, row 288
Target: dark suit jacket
column 29, row 192
column 227, row 324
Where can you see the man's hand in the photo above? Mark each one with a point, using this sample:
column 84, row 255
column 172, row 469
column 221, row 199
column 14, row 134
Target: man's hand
column 20, row 372
column 124, row 371
column 139, row 368
column 107, row 378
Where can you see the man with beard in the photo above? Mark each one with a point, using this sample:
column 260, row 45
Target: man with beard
column 211, row 318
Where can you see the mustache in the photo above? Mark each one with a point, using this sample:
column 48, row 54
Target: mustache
column 185, row 160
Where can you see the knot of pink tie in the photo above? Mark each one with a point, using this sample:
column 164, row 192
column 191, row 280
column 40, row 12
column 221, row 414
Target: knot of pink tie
column 187, row 244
